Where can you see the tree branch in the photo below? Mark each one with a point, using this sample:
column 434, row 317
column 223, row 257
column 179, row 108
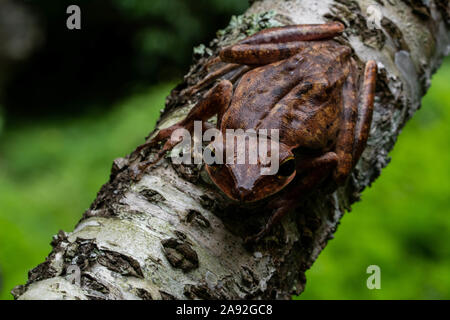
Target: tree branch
column 173, row 235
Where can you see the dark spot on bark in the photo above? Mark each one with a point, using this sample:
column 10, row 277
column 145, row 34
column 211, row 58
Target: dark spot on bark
column 195, row 217
column 444, row 8
column 419, row 8
column 395, row 33
column 180, row 235
column 166, row 296
column 95, row 290
column 41, row 272
column 93, row 284
column 202, row 291
column 248, row 277
column 118, row 165
column 121, row 264
column 206, row 202
column 57, row 239
column 152, row 195
column 180, row 254
column 81, row 250
column 137, row 212
column 143, row 294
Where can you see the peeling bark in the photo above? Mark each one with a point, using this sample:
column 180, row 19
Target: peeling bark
column 173, row 235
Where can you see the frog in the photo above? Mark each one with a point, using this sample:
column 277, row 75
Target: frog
column 299, row 80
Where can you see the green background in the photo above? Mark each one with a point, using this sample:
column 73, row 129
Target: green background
column 52, row 165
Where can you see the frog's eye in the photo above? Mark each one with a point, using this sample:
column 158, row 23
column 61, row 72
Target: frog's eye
column 287, row 167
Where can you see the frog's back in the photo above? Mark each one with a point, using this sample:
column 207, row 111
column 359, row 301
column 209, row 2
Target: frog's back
column 298, row 96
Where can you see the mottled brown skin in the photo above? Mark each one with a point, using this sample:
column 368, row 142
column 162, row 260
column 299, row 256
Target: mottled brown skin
column 299, row 81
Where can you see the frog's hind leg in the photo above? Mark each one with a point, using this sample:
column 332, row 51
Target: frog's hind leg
column 346, row 136
column 356, row 121
column 276, row 44
column 299, row 32
column 362, row 128
column 214, row 102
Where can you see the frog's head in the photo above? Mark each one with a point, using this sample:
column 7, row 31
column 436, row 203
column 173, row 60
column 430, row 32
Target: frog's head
column 252, row 180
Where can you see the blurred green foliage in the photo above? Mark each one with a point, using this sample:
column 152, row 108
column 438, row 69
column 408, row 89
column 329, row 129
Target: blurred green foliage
column 1, row 120
column 123, row 46
column 174, row 26
column 51, row 170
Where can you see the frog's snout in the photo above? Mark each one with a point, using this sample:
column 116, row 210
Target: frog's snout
column 244, row 194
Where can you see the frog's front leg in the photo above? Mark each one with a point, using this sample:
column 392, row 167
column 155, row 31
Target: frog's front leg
column 299, row 32
column 313, row 172
column 215, row 101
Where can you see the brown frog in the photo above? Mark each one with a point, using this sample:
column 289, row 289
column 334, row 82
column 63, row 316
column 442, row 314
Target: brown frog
column 301, row 82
